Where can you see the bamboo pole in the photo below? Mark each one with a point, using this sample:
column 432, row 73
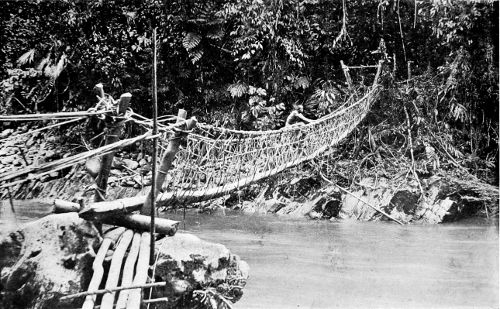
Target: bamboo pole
column 166, row 164
column 115, row 268
column 114, row 233
column 97, row 266
column 141, row 274
column 408, row 130
column 156, row 300
column 112, row 136
column 394, row 68
column 128, row 271
column 142, row 223
column 363, row 66
column 100, row 90
column 61, row 206
column 408, row 69
column 101, row 210
column 377, row 75
column 38, row 171
column 117, row 289
column 58, row 115
column 152, row 196
column 347, row 76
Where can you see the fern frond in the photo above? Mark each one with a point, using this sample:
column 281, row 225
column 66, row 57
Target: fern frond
column 191, row 40
column 196, row 55
column 27, row 57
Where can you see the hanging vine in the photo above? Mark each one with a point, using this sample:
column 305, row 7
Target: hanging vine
column 343, row 35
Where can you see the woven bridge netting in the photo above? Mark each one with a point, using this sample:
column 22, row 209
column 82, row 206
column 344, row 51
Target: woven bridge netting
column 216, row 161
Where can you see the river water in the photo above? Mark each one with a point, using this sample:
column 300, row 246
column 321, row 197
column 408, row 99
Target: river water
column 315, row 264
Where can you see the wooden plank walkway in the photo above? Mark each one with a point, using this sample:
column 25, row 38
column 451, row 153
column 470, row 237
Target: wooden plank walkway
column 127, row 274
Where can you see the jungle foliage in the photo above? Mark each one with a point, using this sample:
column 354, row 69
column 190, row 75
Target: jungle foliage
column 248, row 63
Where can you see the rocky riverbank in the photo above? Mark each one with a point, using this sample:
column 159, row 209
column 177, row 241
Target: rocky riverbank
column 444, row 199
column 437, row 197
column 52, row 257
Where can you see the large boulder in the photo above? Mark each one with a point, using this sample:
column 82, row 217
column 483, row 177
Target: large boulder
column 198, row 273
column 45, row 260
column 449, row 199
column 53, row 257
column 444, row 199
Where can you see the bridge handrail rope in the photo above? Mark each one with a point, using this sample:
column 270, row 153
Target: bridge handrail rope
column 63, row 163
column 50, row 116
column 43, row 128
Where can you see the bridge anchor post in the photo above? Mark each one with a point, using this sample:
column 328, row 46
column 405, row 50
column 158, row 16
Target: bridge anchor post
column 114, row 126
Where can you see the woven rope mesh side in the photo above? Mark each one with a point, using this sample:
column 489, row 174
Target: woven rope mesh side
column 216, row 161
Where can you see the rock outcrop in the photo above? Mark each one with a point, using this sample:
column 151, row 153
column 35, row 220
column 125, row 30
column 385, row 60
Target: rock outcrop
column 198, row 272
column 444, row 199
column 53, row 257
column 45, row 260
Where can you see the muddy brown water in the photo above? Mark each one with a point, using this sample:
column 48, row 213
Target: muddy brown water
column 295, row 263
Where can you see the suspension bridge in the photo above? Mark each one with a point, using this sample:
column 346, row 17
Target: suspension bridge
column 212, row 162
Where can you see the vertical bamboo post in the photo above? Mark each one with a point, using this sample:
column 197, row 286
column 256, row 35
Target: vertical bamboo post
column 152, row 196
column 347, row 76
column 112, row 136
column 100, row 89
column 409, row 70
column 408, row 129
column 166, row 163
column 379, row 71
column 394, row 68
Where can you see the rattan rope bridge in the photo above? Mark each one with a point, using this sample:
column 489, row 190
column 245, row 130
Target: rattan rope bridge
column 215, row 161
